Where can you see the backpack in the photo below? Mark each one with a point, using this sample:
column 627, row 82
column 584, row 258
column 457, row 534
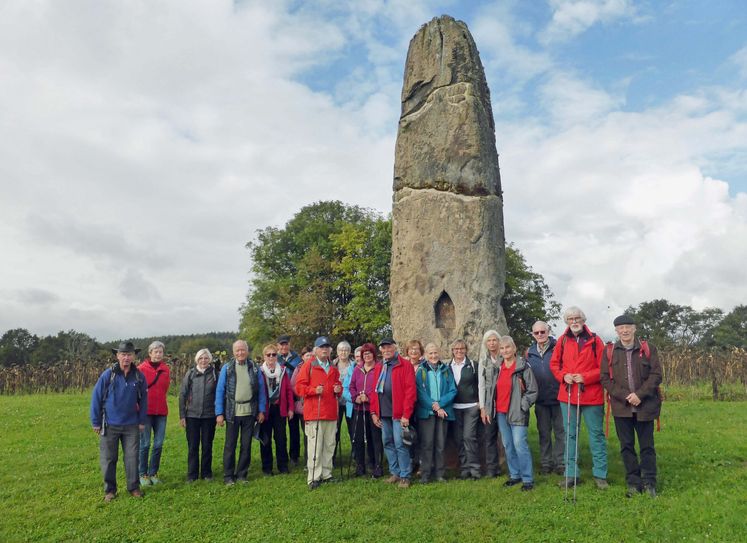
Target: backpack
column 645, row 352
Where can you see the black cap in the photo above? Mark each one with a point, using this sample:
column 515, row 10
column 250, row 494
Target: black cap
column 386, row 341
column 623, row 319
column 126, row 347
column 284, row 339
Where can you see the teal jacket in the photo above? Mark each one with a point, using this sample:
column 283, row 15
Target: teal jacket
column 426, row 396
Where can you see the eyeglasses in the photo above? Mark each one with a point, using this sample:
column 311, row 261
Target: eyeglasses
column 271, row 355
column 539, row 332
column 574, row 319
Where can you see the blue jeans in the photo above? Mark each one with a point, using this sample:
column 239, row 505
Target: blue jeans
column 156, row 423
column 518, row 455
column 397, row 453
column 594, row 418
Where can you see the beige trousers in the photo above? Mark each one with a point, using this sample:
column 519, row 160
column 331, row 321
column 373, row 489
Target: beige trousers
column 321, row 447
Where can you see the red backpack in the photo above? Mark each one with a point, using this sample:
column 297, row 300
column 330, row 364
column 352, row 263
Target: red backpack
column 645, row 352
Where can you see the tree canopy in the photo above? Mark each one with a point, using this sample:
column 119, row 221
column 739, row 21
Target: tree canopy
column 327, row 272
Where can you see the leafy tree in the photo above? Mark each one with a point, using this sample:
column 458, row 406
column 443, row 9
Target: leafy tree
column 527, row 297
column 308, row 275
column 667, row 324
column 732, row 330
column 16, row 346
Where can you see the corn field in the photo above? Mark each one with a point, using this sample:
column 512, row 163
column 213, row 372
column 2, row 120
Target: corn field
column 681, row 367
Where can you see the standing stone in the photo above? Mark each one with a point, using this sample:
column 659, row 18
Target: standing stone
column 448, row 249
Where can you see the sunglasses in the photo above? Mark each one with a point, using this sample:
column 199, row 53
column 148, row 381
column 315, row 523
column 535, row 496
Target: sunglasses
column 540, row 333
column 271, row 355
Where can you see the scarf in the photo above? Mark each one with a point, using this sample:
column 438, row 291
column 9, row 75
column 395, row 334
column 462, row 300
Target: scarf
column 274, row 378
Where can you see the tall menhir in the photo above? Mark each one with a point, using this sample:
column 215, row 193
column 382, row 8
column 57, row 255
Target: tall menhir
column 448, row 249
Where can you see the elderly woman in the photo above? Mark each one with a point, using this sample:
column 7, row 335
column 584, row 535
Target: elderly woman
column 414, row 350
column 280, row 405
column 488, row 366
column 345, row 364
column 197, row 415
column 157, row 378
column 368, row 448
column 436, row 393
column 515, row 392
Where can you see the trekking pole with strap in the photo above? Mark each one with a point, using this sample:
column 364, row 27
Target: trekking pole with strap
column 579, row 388
column 567, row 439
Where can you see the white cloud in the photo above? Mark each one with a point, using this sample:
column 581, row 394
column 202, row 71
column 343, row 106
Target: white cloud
column 572, row 17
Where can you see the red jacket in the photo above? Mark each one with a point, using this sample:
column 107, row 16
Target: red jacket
column 311, row 375
column 404, row 392
column 160, row 374
column 588, row 363
column 286, row 399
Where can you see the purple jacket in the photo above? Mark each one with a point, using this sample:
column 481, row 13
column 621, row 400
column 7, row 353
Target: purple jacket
column 363, row 382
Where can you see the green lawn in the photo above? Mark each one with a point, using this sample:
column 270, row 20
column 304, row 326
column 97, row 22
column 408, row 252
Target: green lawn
column 51, row 490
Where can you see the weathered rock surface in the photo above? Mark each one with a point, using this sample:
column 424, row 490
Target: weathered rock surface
column 448, row 249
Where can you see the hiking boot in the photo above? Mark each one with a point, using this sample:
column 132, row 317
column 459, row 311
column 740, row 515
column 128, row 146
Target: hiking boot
column 512, row 482
column 207, row 478
column 144, row 480
column 109, row 496
column 242, row 481
column 650, row 490
column 229, row 482
column 440, row 479
column 329, row 480
column 545, row 470
column 137, row 493
column 424, row 479
column 404, row 483
column 393, row 479
column 632, row 491
column 360, row 471
column 377, row 472
column 313, row 485
column 154, row 480
column 527, row 486
column 569, row 481
column 602, row 484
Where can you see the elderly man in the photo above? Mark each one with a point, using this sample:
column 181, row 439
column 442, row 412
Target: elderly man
column 391, row 408
column 239, row 401
column 119, row 407
column 631, row 374
column 290, row 360
column 575, row 363
column 466, row 410
column 318, row 383
column 547, row 407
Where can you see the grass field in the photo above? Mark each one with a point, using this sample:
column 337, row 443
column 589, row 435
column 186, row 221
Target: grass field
column 51, row 490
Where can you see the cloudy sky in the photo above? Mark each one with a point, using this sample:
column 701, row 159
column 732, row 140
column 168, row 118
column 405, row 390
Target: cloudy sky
column 144, row 143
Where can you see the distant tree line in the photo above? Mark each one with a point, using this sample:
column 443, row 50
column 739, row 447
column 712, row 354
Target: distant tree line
column 21, row 347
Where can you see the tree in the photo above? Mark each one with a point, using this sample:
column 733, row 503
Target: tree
column 304, row 278
column 732, row 330
column 16, row 346
column 527, row 297
column 668, row 325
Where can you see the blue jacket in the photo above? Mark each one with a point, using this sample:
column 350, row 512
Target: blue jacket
column 346, row 390
column 121, row 406
column 226, row 406
column 291, row 360
column 546, row 383
column 426, row 396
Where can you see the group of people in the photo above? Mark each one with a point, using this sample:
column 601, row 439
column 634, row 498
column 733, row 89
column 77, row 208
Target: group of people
column 398, row 406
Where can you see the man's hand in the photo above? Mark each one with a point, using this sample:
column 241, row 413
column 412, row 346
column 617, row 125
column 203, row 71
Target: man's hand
column 375, row 419
column 568, row 378
column 633, row 399
column 261, row 418
column 578, row 378
column 319, row 390
column 404, row 422
column 97, row 430
column 337, row 388
column 183, row 423
column 220, row 419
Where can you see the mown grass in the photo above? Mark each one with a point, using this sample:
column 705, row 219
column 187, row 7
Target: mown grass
column 50, row 490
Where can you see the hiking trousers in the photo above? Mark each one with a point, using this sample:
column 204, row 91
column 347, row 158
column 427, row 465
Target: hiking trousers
column 549, row 421
column 200, row 433
column 129, row 436
column 643, row 472
column 245, row 427
column 593, row 416
column 465, row 436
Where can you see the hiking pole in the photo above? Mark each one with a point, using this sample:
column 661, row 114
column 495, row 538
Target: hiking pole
column 352, row 443
column 316, row 435
column 578, row 424
column 568, row 440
